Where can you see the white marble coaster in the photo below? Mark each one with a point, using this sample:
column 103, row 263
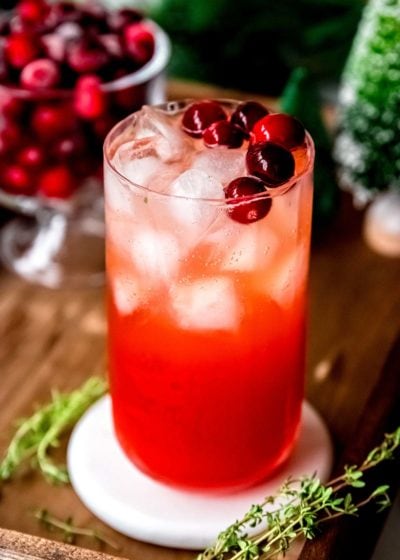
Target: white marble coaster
column 135, row 505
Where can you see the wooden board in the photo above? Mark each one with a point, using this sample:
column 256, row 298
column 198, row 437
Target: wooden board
column 57, row 339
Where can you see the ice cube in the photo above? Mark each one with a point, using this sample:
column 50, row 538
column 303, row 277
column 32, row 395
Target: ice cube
column 170, row 143
column 128, row 295
column 287, row 277
column 252, row 250
column 222, row 164
column 157, row 255
column 118, row 197
column 209, row 304
column 141, row 170
column 191, row 212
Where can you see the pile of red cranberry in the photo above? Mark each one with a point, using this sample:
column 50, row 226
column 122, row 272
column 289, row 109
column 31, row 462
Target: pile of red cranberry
column 269, row 159
column 54, row 112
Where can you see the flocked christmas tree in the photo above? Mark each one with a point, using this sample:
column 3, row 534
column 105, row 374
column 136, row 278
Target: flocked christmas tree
column 368, row 142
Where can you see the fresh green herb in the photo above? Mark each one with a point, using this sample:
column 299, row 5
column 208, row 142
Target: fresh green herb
column 69, row 530
column 40, row 432
column 299, row 509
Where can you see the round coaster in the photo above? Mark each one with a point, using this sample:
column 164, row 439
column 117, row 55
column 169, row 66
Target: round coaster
column 134, row 504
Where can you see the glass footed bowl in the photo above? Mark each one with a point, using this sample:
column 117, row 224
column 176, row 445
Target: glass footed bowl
column 58, row 239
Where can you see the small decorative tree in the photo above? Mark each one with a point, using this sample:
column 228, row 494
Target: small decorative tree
column 368, row 141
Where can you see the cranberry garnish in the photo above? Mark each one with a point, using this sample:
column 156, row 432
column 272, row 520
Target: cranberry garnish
column 247, row 114
column 42, row 73
column 240, row 194
column 56, row 182
column 90, row 101
column 85, row 58
column 33, row 11
column 16, row 180
column 281, row 129
column 270, row 162
column 139, row 42
column 51, row 121
column 31, row 156
column 20, row 49
column 223, row 133
column 200, row 115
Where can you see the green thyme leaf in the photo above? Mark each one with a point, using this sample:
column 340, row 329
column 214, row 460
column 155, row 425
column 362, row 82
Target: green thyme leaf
column 40, row 432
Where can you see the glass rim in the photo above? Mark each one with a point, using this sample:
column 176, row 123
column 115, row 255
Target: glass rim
column 151, row 69
column 270, row 192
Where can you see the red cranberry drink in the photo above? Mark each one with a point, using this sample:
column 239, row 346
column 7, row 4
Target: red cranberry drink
column 208, row 212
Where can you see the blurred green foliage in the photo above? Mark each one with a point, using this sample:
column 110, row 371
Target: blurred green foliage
column 254, row 44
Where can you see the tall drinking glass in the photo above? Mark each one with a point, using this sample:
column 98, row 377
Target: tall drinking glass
column 206, row 314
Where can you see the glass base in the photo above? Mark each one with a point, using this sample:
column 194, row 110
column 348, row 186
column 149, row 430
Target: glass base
column 55, row 250
column 136, row 505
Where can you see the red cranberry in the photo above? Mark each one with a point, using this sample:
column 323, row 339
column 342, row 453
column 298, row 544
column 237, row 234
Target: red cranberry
column 281, row 129
column 112, row 44
column 139, row 42
column 223, row 133
column 270, row 162
column 54, row 46
column 42, row 73
column 69, row 147
column 119, row 19
column 31, row 156
column 20, row 49
column 244, row 206
column 247, row 114
column 90, row 101
column 93, row 16
column 33, row 11
column 85, row 58
column 200, row 115
column 10, row 106
column 69, row 31
column 16, row 180
column 52, row 121
column 9, row 136
column 62, row 12
column 56, row 182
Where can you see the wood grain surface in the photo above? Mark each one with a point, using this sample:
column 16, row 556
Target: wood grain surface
column 57, row 339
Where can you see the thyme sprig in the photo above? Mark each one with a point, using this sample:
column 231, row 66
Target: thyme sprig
column 300, row 507
column 70, row 531
column 40, row 432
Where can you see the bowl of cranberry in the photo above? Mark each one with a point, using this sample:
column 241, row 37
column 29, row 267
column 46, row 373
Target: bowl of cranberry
column 68, row 73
